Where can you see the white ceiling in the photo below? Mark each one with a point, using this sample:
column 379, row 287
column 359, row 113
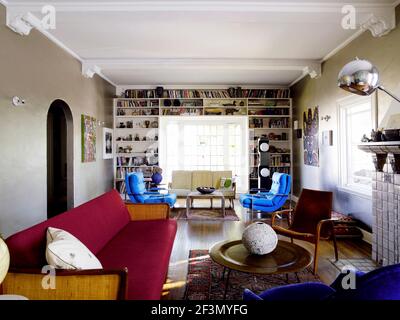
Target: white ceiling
column 172, row 42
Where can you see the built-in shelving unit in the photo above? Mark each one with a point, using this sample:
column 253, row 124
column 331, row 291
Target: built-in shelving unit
column 137, row 113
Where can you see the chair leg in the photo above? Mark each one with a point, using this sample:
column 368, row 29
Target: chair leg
column 316, row 256
column 211, row 200
column 291, row 239
column 335, row 246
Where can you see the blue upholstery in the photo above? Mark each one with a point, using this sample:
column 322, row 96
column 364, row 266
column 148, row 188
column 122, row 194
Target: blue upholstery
column 136, row 190
column 380, row 284
column 272, row 200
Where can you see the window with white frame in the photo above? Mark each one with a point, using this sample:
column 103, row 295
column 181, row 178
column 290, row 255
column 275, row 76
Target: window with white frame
column 205, row 143
column 356, row 167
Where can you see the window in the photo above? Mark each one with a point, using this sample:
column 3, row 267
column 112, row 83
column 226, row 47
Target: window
column 209, row 143
column 356, row 167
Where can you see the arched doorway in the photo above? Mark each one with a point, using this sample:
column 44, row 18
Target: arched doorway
column 60, row 159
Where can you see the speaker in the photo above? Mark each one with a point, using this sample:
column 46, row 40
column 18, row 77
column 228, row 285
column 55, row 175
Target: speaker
column 263, row 168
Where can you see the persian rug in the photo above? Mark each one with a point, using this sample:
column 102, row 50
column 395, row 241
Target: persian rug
column 204, row 214
column 204, row 279
column 364, row 265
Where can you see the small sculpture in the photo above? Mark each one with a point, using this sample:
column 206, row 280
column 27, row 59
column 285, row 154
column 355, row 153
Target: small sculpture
column 365, row 138
column 259, row 238
column 376, row 136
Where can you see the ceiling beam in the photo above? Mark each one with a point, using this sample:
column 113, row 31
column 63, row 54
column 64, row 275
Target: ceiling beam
column 310, row 67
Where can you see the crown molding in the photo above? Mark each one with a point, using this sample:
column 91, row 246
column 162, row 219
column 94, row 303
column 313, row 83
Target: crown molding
column 199, row 6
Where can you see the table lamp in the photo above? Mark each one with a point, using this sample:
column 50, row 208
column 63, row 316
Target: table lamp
column 4, row 260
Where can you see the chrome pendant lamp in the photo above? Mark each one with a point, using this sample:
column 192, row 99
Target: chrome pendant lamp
column 361, row 77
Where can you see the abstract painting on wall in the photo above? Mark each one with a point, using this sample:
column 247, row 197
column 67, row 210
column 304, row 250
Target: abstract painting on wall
column 88, row 127
column 311, row 143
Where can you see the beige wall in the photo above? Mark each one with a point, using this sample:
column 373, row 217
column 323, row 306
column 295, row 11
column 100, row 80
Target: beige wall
column 323, row 92
column 37, row 70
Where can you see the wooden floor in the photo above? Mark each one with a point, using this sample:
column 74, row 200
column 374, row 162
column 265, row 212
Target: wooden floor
column 202, row 235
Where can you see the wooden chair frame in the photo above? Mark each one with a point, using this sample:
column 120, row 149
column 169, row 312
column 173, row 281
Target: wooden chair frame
column 313, row 238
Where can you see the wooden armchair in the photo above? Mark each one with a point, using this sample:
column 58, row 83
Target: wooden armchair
column 310, row 220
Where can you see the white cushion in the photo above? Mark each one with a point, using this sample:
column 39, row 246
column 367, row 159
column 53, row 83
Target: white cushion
column 64, row 251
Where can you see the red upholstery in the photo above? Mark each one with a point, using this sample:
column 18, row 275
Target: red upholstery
column 104, row 226
column 144, row 247
column 94, row 223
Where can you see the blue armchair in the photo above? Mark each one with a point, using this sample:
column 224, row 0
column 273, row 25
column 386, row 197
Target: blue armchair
column 136, row 190
column 380, row 284
column 272, row 200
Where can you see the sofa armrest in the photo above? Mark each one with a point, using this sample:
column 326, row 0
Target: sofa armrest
column 67, row 284
column 150, row 211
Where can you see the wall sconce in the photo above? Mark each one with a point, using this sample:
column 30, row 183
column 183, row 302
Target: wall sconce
column 17, row 101
column 100, row 123
column 326, row 118
column 297, row 130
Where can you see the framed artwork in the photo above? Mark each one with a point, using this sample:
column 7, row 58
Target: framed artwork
column 311, row 131
column 107, row 143
column 88, row 127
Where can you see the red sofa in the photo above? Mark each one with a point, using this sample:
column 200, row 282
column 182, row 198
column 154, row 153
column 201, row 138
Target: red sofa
column 107, row 228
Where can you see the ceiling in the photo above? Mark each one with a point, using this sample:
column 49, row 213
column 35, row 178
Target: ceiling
column 202, row 42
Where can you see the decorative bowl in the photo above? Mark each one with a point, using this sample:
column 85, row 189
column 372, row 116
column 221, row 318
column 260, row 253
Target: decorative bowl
column 391, row 134
column 205, row 190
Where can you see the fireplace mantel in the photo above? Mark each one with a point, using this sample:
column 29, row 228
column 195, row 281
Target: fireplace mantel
column 380, row 151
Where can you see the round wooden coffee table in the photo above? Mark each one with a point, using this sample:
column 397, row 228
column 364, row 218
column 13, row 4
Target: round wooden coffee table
column 286, row 258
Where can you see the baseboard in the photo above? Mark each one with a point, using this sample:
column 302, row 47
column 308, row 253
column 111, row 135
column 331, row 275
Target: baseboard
column 367, row 236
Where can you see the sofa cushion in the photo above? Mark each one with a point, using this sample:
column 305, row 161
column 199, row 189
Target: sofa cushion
column 144, row 247
column 181, row 179
column 180, row 192
column 227, row 193
column 217, row 175
column 64, row 251
column 202, row 178
column 94, row 223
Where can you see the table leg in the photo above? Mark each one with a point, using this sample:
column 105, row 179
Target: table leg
column 223, row 274
column 223, row 206
column 187, row 206
column 227, row 283
column 297, row 277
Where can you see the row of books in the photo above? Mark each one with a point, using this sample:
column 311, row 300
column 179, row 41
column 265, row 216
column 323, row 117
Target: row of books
column 210, row 93
column 121, row 172
column 280, row 123
column 269, row 112
column 183, row 112
column 137, row 103
column 266, row 93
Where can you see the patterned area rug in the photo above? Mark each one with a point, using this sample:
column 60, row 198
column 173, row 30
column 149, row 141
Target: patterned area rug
column 364, row 265
column 204, row 214
column 204, row 279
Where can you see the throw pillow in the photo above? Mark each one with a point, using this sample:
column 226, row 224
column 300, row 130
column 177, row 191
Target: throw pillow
column 64, row 251
column 227, row 183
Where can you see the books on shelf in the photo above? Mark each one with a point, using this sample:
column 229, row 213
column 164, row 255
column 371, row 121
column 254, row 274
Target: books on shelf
column 269, row 123
column 211, row 93
column 137, row 103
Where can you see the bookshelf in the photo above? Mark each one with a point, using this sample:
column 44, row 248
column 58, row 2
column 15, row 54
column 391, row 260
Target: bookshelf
column 137, row 114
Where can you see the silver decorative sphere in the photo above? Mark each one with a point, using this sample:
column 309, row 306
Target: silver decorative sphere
column 259, row 238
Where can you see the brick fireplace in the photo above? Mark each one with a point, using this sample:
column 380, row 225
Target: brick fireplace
column 385, row 201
